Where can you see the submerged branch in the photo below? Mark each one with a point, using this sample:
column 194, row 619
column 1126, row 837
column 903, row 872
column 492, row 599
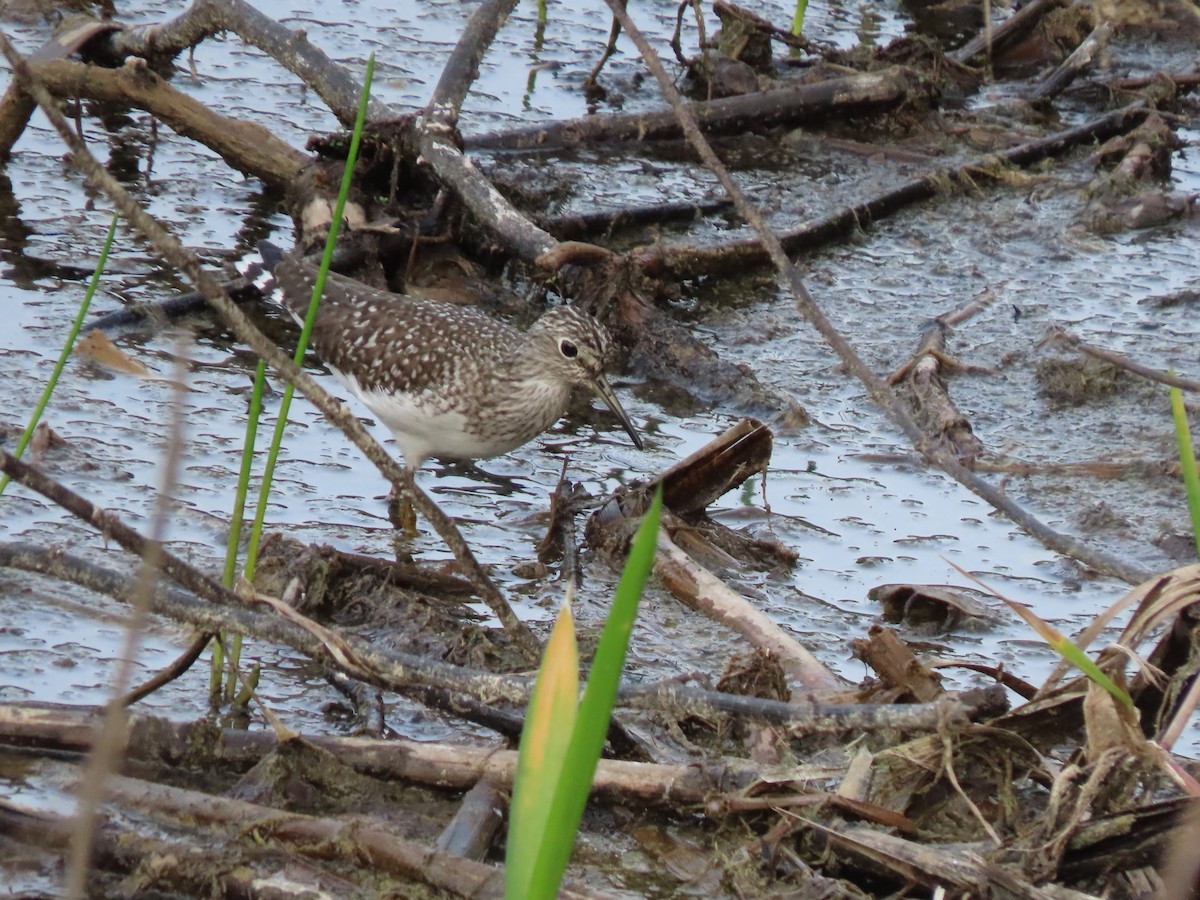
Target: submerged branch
column 852, row 95
column 412, row 675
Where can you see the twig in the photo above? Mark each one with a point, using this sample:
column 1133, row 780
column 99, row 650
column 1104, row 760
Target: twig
column 1057, row 335
column 111, row 740
column 169, row 673
column 610, row 48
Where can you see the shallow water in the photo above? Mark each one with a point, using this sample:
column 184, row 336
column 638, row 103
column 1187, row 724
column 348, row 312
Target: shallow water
column 878, row 522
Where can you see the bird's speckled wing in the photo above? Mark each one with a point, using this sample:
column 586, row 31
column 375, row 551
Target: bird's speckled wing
column 393, row 343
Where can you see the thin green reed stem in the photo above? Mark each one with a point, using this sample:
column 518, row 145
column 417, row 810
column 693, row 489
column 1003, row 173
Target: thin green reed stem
column 798, row 17
column 243, row 485
column 67, row 347
column 306, row 331
column 235, row 531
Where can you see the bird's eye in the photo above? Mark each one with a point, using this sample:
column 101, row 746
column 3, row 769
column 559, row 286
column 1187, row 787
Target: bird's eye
column 568, row 349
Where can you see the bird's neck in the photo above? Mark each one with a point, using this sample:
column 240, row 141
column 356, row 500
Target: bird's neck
column 526, row 385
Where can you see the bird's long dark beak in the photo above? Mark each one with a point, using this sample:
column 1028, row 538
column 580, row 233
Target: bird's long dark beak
column 605, row 392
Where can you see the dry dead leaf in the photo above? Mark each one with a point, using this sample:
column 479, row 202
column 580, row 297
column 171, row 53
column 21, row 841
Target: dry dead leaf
column 99, row 348
column 1109, row 724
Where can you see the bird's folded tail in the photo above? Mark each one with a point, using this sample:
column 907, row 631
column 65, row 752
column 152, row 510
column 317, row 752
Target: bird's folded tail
column 259, row 269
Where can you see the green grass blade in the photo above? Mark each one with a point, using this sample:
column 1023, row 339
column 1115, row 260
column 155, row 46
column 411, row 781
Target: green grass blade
column 243, row 485
column 1187, row 461
column 306, row 332
column 595, row 711
column 27, row 434
column 798, row 17
column 544, row 740
column 1083, row 662
column 236, row 519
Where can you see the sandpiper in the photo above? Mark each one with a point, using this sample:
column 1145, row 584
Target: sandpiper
column 448, row 381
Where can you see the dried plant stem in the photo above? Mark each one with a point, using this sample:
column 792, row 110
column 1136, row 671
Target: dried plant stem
column 110, row 743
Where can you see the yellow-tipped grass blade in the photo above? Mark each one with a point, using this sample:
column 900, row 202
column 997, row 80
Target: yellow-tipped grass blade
column 549, row 722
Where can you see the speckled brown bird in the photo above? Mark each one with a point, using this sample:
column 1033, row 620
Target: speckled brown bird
column 449, row 381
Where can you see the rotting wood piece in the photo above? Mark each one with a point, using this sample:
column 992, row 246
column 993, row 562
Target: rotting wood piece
column 899, row 667
column 997, row 38
column 962, row 871
column 478, row 818
column 720, row 466
column 932, row 406
column 1131, row 192
column 1075, row 64
column 943, row 606
column 689, row 486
